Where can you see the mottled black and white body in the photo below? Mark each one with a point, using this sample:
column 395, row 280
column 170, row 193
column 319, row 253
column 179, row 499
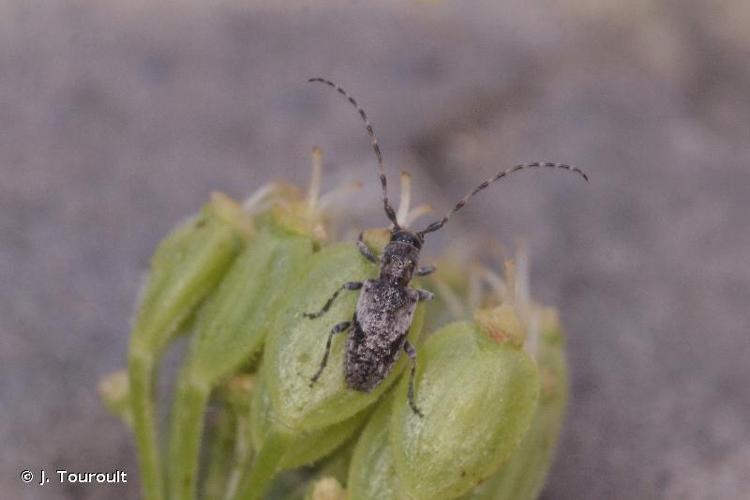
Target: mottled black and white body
column 381, row 323
column 386, row 305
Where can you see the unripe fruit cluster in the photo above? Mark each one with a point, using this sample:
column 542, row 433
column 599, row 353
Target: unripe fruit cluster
column 491, row 384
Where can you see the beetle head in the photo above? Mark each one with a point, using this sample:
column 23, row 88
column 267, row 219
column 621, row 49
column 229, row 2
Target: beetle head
column 407, row 237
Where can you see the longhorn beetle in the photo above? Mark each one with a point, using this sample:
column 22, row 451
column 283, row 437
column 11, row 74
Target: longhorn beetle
column 386, row 305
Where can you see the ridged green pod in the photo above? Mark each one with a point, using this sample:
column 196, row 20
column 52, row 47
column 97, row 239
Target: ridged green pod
column 232, row 326
column 478, row 391
column 522, row 477
column 186, row 267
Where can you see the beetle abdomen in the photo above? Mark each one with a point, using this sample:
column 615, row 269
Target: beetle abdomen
column 369, row 358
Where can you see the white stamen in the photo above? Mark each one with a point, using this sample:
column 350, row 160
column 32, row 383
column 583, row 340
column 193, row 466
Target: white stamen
column 531, row 345
column 451, row 299
column 335, row 195
column 474, row 292
column 259, row 200
column 521, row 286
column 313, row 191
column 496, row 283
column 416, row 213
column 403, row 204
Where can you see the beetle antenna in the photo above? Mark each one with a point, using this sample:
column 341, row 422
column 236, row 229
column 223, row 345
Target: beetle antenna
column 389, row 211
column 438, row 224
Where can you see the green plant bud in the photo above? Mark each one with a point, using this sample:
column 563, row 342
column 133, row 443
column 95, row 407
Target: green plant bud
column 522, row 477
column 478, row 391
column 114, row 389
column 372, row 475
column 501, row 324
column 326, row 488
column 230, row 330
column 295, row 217
column 293, row 352
column 307, row 447
column 232, row 325
column 186, row 267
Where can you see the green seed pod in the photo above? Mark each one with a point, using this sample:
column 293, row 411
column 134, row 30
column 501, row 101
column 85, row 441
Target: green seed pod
column 478, row 391
column 232, row 326
column 522, row 477
column 293, row 354
column 186, row 267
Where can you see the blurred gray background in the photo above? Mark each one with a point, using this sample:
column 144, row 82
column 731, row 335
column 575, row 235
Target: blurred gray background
column 118, row 118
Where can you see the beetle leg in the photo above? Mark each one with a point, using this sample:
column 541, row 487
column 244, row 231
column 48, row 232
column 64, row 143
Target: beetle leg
column 365, row 250
column 351, row 285
column 424, row 271
column 412, row 353
column 341, row 327
column 424, row 294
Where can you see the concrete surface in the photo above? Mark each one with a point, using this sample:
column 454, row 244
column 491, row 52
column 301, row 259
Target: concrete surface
column 118, row 118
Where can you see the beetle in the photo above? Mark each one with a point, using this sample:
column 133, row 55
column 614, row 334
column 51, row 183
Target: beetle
column 385, row 308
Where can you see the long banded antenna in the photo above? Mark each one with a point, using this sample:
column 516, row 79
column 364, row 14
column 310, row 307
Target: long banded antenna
column 438, row 224
column 389, row 212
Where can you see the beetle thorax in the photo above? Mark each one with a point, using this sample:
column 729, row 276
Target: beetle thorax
column 399, row 262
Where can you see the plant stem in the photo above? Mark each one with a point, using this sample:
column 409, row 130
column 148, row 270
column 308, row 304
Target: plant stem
column 243, row 453
column 220, row 452
column 266, row 464
column 187, row 429
column 141, row 373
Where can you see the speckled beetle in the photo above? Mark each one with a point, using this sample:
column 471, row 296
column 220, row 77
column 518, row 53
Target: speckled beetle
column 386, row 305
